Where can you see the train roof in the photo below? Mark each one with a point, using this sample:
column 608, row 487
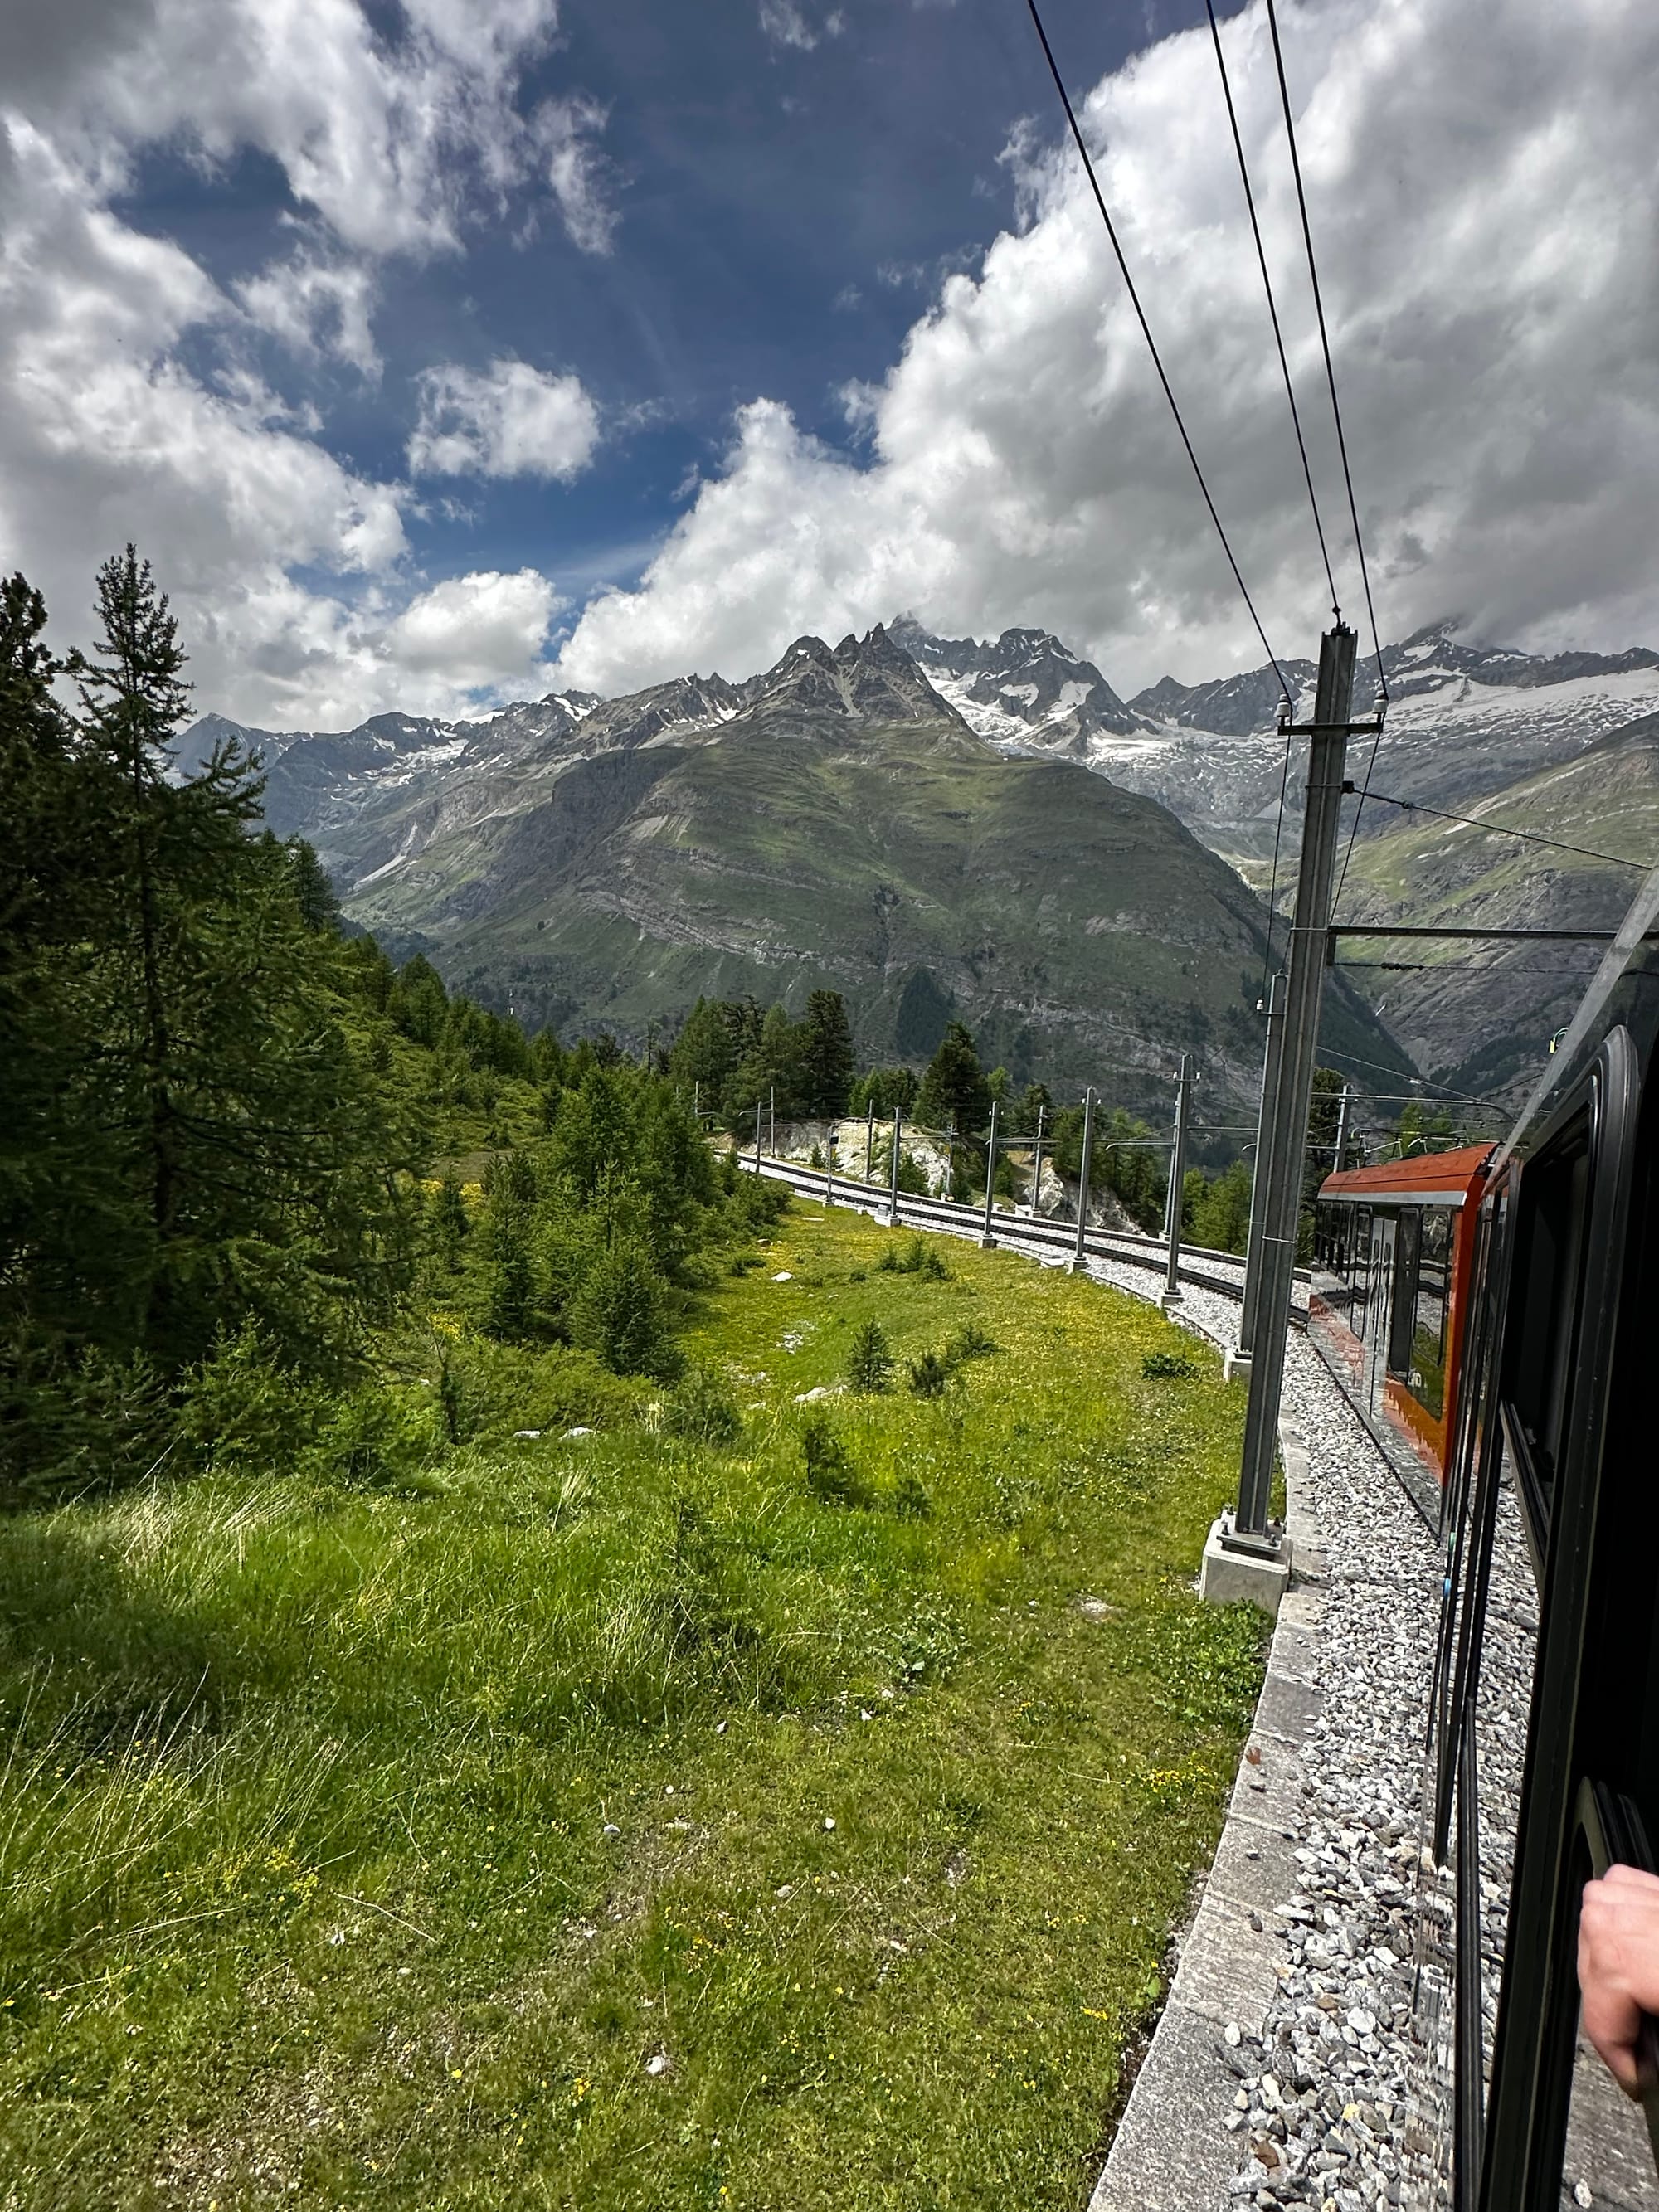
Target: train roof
column 1426, row 1179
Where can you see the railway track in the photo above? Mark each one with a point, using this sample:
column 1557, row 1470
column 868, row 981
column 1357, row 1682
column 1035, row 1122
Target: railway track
column 1221, row 1272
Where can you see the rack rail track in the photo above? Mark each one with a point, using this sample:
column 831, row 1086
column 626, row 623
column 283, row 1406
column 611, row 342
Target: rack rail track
column 1018, row 1231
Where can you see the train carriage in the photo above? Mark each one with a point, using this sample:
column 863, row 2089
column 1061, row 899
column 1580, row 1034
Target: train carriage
column 1394, row 1249
column 1552, row 1531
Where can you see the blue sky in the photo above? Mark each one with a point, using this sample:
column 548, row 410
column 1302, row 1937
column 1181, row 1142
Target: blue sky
column 781, row 213
column 440, row 351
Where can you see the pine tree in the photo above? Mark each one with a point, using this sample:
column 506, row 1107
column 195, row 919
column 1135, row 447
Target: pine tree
column 954, row 1086
column 826, row 1058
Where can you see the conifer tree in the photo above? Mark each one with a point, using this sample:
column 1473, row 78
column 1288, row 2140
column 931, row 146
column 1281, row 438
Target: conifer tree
column 827, row 1063
column 954, row 1084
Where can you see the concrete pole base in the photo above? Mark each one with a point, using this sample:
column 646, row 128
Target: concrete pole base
column 1236, row 1366
column 1077, row 1267
column 1257, row 1577
column 987, row 1243
column 1169, row 1300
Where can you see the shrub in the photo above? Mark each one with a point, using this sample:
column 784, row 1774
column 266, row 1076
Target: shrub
column 970, row 1341
column 910, row 1498
column 701, row 1409
column 815, row 1157
column 929, row 1374
column 371, row 1441
column 241, row 1410
column 829, row 1474
column 1173, row 1363
column 620, row 1314
column 870, row 1360
column 919, row 1256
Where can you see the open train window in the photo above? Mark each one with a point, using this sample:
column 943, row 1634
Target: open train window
column 1552, row 1216
column 1406, row 1238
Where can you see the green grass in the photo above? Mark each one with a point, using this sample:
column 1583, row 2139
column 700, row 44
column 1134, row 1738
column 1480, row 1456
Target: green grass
column 305, row 1891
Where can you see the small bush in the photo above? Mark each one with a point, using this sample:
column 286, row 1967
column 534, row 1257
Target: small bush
column 870, row 1360
column 1157, row 1364
column 829, row 1474
column 620, row 1313
column 919, row 1256
column 815, row 1157
column 241, row 1410
column 929, row 1376
column 371, row 1441
column 970, row 1341
column 701, row 1409
column 910, row 1498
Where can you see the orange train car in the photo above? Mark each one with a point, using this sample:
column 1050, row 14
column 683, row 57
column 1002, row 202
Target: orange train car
column 1394, row 1252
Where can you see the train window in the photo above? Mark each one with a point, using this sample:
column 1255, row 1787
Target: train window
column 1427, row 1382
column 1406, row 1239
column 1553, row 1208
column 1359, row 1246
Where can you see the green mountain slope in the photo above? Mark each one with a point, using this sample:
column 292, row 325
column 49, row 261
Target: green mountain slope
column 843, row 828
column 1481, row 1015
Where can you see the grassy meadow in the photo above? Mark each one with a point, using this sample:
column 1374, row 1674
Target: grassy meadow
column 619, row 1820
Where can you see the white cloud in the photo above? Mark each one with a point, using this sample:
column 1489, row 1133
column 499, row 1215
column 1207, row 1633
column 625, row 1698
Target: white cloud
column 565, row 133
column 316, row 306
column 786, row 23
column 386, row 139
column 1482, row 195
column 129, row 403
column 510, row 420
column 480, row 632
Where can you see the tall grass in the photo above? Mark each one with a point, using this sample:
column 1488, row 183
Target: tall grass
column 361, row 1848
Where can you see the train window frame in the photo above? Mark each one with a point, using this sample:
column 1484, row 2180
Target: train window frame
column 1536, row 1344
column 1526, row 2107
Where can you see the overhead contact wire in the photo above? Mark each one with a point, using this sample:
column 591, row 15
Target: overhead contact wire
column 1500, row 830
column 1151, row 344
column 1273, row 307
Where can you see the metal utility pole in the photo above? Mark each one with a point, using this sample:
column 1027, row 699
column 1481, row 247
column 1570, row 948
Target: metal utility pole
column 987, row 1243
column 1344, row 1109
column 1328, row 731
column 951, row 1160
column 760, row 1106
column 1238, row 1359
column 829, row 1168
column 1076, row 1261
column 772, row 1122
column 1037, row 1167
column 869, row 1141
column 1177, row 1178
column 898, row 1130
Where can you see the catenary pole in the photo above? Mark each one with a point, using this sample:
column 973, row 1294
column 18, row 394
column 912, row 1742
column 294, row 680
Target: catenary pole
column 898, row 1130
column 1036, row 1166
column 1177, row 1178
column 760, row 1108
column 1238, row 1359
column 829, row 1168
column 1345, row 1107
column 772, row 1122
column 1328, row 735
column 1083, row 1177
column 869, row 1141
column 987, row 1243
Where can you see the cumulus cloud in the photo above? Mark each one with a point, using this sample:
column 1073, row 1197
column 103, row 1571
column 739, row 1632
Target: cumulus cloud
column 478, row 632
column 1482, row 193
column 509, row 420
column 316, row 306
column 383, row 138
column 129, row 403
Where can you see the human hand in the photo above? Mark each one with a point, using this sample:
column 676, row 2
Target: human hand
column 1618, row 1968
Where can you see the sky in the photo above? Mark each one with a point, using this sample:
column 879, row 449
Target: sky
column 444, row 352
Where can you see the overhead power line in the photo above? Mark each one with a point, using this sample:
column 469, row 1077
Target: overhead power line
column 1498, row 828
column 1151, row 344
column 1325, row 342
column 1273, row 310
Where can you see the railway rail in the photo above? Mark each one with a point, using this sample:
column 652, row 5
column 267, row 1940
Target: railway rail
column 1224, row 1272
